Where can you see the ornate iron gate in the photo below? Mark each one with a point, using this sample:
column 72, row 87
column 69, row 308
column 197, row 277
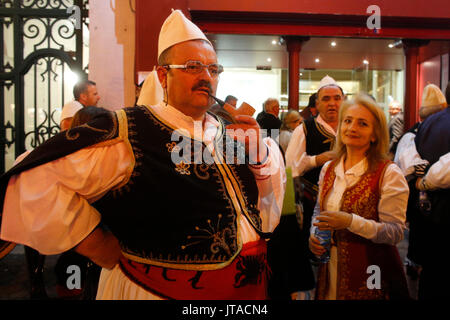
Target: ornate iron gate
column 41, row 57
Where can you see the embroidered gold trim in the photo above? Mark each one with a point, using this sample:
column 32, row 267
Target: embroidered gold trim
column 71, row 137
column 173, row 147
column 239, row 194
column 186, row 266
column 208, row 232
column 201, row 171
column 331, row 138
column 123, row 135
column 183, row 168
column 304, row 128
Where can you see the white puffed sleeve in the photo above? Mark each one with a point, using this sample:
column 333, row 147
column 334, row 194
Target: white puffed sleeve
column 48, row 207
column 271, row 181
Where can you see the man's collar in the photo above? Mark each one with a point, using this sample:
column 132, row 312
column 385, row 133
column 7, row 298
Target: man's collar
column 329, row 128
column 175, row 116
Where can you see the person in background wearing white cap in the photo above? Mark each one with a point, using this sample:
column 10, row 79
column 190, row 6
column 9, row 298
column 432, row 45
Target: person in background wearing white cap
column 413, row 168
column 86, row 95
column 309, row 148
column 187, row 230
column 433, row 144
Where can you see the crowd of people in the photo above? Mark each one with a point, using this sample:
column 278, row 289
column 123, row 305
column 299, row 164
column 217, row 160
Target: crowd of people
column 107, row 192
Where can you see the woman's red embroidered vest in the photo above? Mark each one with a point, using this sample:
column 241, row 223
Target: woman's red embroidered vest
column 355, row 253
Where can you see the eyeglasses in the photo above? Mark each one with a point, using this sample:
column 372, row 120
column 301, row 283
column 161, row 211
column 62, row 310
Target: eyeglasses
column 195, row 67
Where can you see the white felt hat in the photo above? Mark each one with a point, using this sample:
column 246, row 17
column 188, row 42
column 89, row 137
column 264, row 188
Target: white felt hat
column 151, row 93
column 176, row 29
column 432, row 96
column 327, row 81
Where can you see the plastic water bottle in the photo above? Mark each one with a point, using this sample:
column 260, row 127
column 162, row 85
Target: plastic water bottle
column 424, row 202
column 324, row 237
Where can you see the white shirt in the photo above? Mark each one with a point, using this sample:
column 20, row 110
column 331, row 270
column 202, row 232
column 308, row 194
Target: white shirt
column 438, row 175
column 391, row 206
column 69, row 109
column 296, row 156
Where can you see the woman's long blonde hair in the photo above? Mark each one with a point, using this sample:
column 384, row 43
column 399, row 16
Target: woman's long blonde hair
column 378, row 150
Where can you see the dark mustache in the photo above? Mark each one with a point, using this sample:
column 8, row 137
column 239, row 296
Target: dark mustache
column 202, row 84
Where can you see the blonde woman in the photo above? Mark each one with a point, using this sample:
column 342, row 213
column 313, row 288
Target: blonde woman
column 291, row 120
column 362, row 201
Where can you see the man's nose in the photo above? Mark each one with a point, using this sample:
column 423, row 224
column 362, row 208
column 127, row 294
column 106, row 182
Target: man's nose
column 205, row 74
column 332, row 102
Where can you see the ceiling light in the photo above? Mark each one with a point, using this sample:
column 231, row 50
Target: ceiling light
column 365, row 61
column 333, row 44
column 391, row 45
column 274, row 42
column 301, row 73
column 317, row 60
column 269, row 59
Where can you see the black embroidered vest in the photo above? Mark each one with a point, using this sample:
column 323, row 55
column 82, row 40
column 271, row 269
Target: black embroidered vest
column 179, row 214
column 318, row 140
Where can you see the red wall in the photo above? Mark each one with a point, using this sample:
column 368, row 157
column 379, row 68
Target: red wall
column 400, row 8
column 430, row 65
column 149, row 19
column 151, row 15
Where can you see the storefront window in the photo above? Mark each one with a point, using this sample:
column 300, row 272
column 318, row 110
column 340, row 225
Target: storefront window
column 255, row 86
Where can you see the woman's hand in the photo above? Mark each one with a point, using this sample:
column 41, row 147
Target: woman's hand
column 315, row 246
column 333, row 220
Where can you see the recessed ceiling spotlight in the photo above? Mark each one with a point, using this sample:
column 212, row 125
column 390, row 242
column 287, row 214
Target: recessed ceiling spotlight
column 333, row 44
column 391, row 45
column 269, row 59
column 317, row 60
column 274, row 42
column 301, row 73
column 365, row 61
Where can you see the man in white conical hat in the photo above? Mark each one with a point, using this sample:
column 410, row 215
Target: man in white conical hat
column 329, row 98
column 186, row 219
column 311, row 143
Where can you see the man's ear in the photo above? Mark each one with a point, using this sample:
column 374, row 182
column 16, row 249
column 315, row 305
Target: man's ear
column 83, row 97
column 162, row 76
